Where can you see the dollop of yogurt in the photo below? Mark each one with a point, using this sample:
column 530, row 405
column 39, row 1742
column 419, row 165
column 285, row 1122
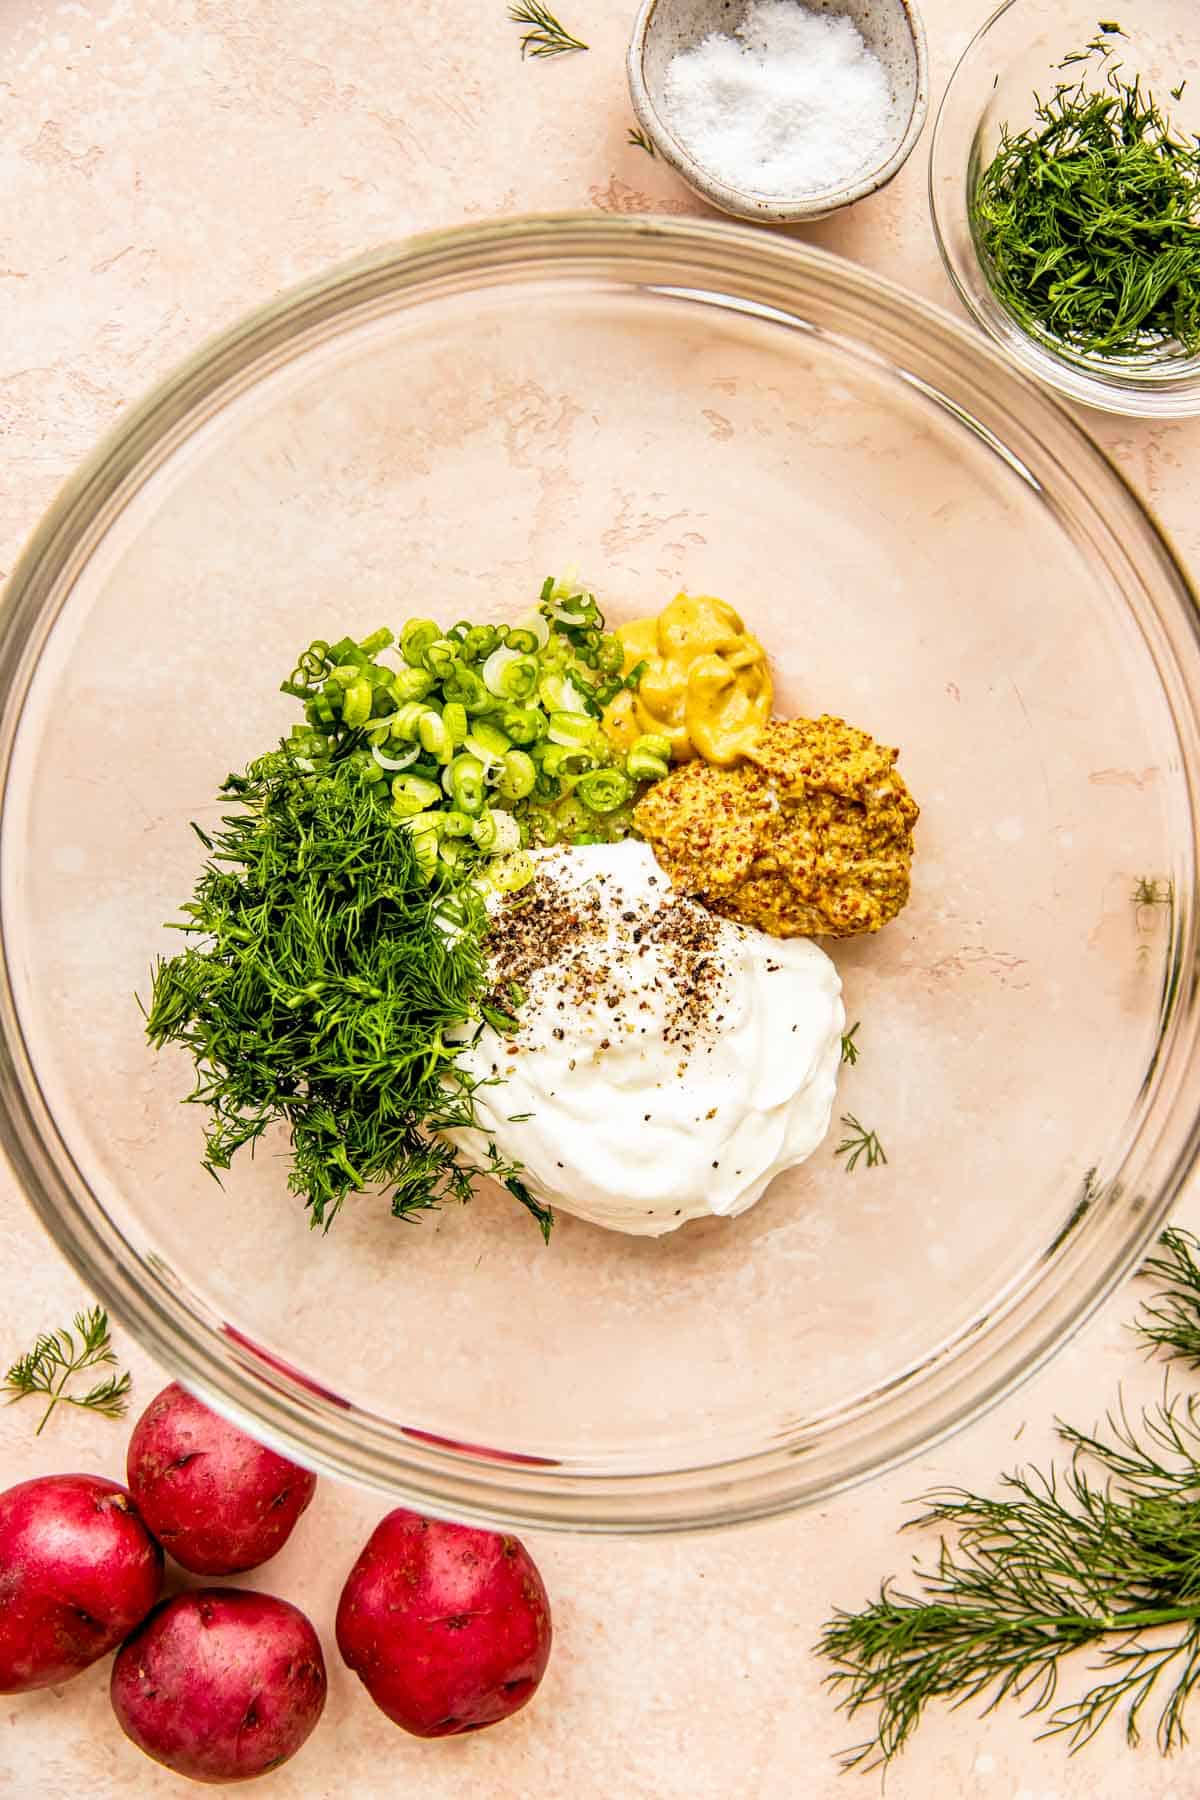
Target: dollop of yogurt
column 666, row 1063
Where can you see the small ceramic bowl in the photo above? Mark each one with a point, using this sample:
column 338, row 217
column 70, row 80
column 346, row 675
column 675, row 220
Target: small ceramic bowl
column 891, row 28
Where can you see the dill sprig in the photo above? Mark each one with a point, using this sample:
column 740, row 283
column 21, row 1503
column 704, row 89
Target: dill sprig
column 849, row 1047
column 56, row 1358
column 332, row 988
column 859, row 1142
column 1148, row 890
column 1103, row 1555
column 1171, row 1320
column 545, row 36
column 638, row 138
column 1089, row 221
column 1058, row 1562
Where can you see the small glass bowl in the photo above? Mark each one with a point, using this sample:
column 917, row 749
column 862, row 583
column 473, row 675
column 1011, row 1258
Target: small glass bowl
column 1014, row 57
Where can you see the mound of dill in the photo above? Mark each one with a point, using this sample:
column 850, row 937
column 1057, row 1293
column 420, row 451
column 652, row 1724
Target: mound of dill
column 329, row 975
column 1089, row 222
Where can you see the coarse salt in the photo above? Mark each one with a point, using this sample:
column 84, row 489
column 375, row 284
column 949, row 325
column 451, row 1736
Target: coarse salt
column 793, row 104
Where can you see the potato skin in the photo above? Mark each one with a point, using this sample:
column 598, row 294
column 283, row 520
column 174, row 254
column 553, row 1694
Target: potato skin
column 220, row 1684
column 218, row 1501
column 447, row 1627
column 78, row 1570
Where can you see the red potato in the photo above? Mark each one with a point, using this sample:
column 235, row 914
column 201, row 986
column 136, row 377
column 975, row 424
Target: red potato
column 220, row 1684
column 78, row 1570
column 217, row 1500
column 447, row 1627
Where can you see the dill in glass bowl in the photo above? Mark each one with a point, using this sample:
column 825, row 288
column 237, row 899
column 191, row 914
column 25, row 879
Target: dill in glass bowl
column 1065, row 192
column 928, row 547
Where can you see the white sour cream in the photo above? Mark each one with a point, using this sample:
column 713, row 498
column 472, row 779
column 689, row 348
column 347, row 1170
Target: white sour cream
column 646, row 1108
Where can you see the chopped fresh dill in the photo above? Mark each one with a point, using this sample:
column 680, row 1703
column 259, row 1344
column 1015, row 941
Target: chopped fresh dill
column 638, row 138
column 56, row 1358
column 545, row 36
column 331, row 988
column 1089, row 221
column 859, row 1142
column 541, row 1214
column 849, row 1047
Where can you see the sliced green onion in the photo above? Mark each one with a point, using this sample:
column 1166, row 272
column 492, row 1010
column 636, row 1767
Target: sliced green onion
column 558, row 693
column 524, row 724
column 493, row 741
column 313, row 661
column 415, row 639
column 641, row 767
column 654, row 743
column 509, row 675
column 603, row 790
column 441, row 657
column 570, row 611
column 490, row 761
column 497, row 832
column 649, row 757
column 466, row 784
column 430, row 822
column 575, row 730
column 518, row 775
column 394, row 762
column 481, row 732
column 356, row 706
column 464, row 686
column 480, row 641
column 612, row 654
column 533, row 622
column 506, row 874
column 570, row 816
column 412, row 684
column 434, row 736
column 560, row 760
column 412, row 794
column 405, row 721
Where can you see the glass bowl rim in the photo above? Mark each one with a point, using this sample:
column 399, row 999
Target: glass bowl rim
column 914, row 1409
column 1088, row 381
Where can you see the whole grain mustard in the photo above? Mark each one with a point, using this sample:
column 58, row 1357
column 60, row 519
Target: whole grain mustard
column 810, row 836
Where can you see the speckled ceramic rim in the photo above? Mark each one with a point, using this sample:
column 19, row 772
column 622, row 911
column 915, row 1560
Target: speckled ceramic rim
column 743, row 203
column 1171, row 391
column 1096, row 1244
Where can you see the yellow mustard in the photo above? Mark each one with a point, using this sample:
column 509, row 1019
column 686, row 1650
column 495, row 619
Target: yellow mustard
column 706, row 687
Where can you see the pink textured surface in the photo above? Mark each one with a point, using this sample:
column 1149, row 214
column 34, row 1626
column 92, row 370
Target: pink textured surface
column 166, row 166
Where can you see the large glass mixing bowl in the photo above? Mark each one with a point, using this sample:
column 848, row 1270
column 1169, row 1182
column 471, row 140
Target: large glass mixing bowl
column 928, row 546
